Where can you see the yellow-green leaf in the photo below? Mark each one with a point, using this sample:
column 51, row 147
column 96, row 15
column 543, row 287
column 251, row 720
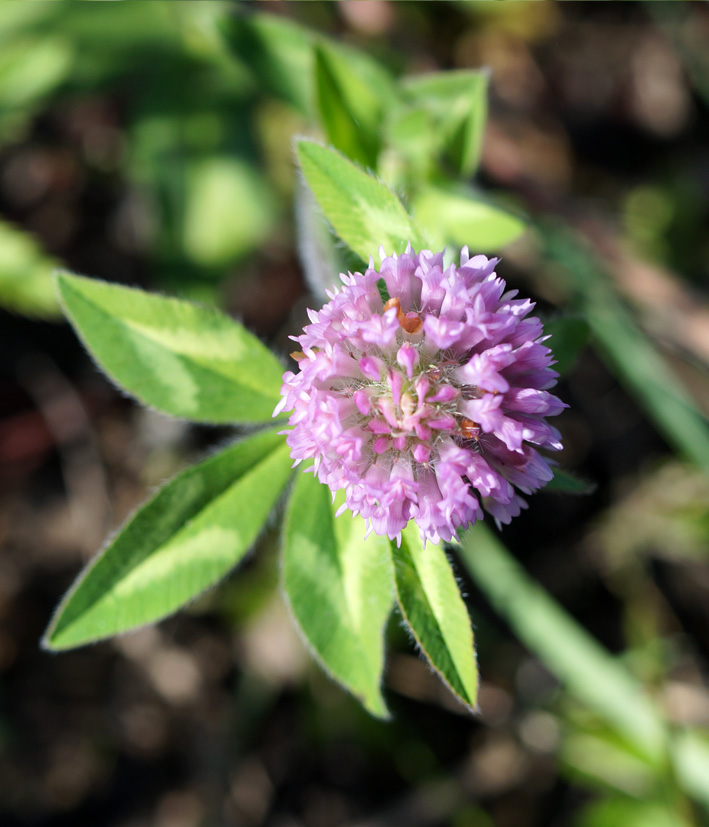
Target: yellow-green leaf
column 434, row 611
column 181, row 358
column 339, row 587
column 184, row 539
column 363, row 211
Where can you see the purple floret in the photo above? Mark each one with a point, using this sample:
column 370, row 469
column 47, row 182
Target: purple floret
column 429, row 406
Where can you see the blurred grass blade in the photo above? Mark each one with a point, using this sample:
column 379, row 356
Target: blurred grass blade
column 183, row 359
column 340, row 590
column 603, row 756
column 26, row 284
column 690, row 752
column 564, row 482
column 187, row 537
column 435, row 613
column 580, row 663
column 619, row 811
column 452, row 217
column 569, row 336
column 630, row 352
column 363, row 211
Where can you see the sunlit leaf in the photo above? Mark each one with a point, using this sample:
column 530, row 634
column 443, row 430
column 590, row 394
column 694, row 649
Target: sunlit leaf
column 217, row 226
column 26, row 284
column 603, row 758
column 430, row 602
column 412, row 132
column 363, row 211
column 452, row 217
column 30, row 69
column 278, row 52
column 188, row 536
column 348, row 108
column 690, row 754
column 178, row 357
column 339, row 587
column 622, row 812
column 459, row 101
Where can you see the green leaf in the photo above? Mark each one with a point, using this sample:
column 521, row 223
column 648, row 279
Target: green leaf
column 580, row 662
column 349, row 109
column 279, row 54
column 31, row 69
column 363, row 211
column 339, row 587
column 434, row 611
column 188, row 536
column 452, row 217
column 459, row 102
column 277, row 51
column 412, row 132
column 26, row 275
column 178, row 357
column 690, row 754
column 215, row 233
column 622, row 812
column 565, row 482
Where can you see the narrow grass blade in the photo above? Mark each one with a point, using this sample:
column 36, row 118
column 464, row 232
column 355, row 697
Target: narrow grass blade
column 580, row 663
column 629, row 352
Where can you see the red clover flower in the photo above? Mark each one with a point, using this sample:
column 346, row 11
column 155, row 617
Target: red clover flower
column 428, row 404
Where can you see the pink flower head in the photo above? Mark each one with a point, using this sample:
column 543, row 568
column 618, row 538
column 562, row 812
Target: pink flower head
column 428, row 406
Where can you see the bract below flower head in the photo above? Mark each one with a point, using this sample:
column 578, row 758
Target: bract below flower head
column 429, row 405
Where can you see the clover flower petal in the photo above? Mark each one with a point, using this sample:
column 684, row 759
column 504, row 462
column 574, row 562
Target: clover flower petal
column 429, row 406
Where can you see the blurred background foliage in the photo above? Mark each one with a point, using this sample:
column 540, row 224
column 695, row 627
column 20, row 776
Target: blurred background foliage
column 151, row 144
